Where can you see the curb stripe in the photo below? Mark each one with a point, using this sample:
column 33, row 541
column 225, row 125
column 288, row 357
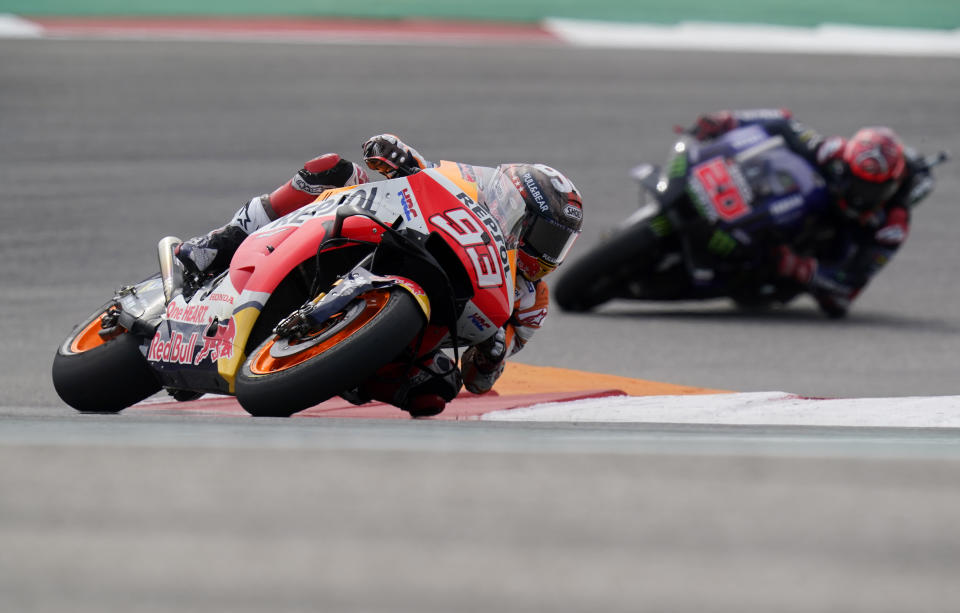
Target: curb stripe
column 722, row 37
column 756, row 408
column 520, row 386
column 12, row 26
column 823, row 39
column 292, row 30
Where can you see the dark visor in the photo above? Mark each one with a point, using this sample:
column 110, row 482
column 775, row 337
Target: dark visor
column 866, row 195
column 549, row 239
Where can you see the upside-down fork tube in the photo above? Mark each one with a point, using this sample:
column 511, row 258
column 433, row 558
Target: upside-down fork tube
column 352, row 285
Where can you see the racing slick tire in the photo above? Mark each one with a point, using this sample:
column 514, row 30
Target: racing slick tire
column 97, row 374
column 283, row 376
column 603, row 273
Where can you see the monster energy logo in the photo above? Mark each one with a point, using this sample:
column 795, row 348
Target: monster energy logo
column 721, row 243
column 661, row 226
column 678, row 166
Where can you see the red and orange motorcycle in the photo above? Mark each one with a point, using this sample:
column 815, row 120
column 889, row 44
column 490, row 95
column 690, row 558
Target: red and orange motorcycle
column 312, row 305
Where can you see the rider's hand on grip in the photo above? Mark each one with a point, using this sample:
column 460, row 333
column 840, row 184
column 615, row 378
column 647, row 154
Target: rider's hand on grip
column 391, row 157
column 894, row 231
column 711, row 125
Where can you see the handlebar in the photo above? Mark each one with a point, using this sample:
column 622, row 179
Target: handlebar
column 935, row 160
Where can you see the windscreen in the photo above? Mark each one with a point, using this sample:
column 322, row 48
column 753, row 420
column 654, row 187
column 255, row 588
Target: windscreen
column 506, row 206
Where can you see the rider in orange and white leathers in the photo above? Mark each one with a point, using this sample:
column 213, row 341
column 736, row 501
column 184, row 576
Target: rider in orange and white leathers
column 554, row 216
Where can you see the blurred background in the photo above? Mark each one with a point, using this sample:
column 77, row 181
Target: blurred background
column 110, row 144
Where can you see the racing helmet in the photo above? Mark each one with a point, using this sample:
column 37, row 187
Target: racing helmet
column 874, row 165
column 552, row 214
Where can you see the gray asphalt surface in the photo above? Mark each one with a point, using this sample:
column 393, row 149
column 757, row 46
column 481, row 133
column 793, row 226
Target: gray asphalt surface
column 109, row 146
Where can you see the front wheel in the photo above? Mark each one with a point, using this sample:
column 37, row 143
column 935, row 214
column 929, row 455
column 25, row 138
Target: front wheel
column 603, row 274
column 285, row 375
column 102, row 371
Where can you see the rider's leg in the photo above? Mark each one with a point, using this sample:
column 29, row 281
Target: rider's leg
column 211, row 253
column 423, row 389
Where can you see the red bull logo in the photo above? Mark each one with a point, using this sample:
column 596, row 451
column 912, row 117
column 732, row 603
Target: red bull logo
column 179, row 349
column 173, row 351
column 220, row 345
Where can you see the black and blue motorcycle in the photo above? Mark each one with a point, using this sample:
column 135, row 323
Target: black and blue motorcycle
column 707, row 226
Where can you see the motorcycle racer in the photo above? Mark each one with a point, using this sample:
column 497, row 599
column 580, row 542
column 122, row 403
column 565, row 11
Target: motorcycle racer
column 873, row 180
column 550, row 224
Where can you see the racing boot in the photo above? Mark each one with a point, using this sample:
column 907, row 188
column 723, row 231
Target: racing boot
column 423, row 390
column 210, row 254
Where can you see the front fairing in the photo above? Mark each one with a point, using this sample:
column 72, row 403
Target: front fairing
column 197, row 339
column 751, row 185
column 447, row 199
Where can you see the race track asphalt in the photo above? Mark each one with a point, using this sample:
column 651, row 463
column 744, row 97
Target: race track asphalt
column 108, row 146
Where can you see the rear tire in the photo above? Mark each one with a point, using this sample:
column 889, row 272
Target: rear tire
column 94, row 375
column 280, row 379
column 602, row 274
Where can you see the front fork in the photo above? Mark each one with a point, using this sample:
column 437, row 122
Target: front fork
column 349, row 287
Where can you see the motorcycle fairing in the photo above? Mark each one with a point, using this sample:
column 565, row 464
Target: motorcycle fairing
column 747, row 181
column 200, row 342
column 475, row 237
column 193, row 338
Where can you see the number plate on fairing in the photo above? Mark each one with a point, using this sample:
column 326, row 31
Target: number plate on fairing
column 720, row 190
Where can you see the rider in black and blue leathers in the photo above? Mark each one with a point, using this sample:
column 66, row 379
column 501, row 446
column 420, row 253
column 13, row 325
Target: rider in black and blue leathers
column 873, row 180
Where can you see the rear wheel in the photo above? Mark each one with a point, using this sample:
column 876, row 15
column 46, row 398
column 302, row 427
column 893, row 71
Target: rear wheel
column 603, row 274
column 102, row 371
column 285, row 375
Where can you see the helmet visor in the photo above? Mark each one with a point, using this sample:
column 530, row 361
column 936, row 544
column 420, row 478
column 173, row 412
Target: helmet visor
column 549, row 240
column 865, row 195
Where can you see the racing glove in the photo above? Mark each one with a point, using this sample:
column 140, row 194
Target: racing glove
column 894, row 231
column 391, row 157
column 798, row 268
column 482, row 364
column 712, row 125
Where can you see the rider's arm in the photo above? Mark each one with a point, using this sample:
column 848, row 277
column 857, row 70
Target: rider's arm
column 713, row 124
column 483, row 364
column 528, row 313
column 776, row 122
column 392, row 158
column 918, row 183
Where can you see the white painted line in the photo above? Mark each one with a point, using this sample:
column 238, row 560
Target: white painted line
column 825, row 39
column 12, row 26
column 759, row 408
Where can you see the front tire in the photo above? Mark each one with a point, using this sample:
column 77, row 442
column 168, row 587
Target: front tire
column 93, row 374
column 284, row 376
column 603, row 274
